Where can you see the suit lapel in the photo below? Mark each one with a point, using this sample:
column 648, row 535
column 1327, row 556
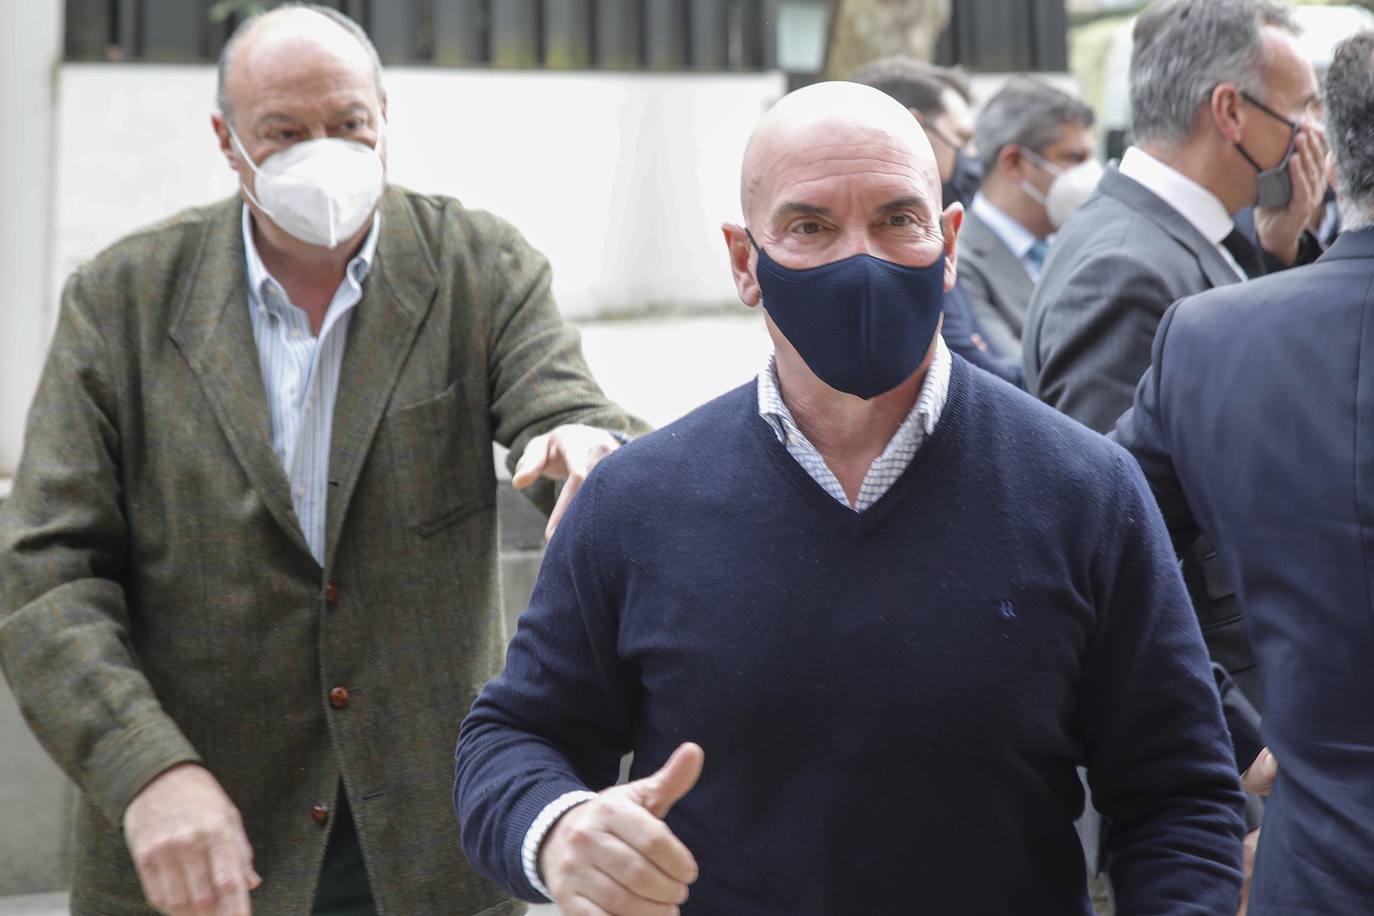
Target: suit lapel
column 1136, row 196
column 1011, row 283
column 1219, row 272
column 397, row 296
column 215, row 335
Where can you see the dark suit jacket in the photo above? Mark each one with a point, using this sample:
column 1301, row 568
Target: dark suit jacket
column 1115, row 267
column 998, row 287
column 1122, row 259
column 1255, row 424
column 963, row 334
column 158, row 601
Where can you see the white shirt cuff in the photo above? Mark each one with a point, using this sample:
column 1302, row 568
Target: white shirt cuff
column 534, row 837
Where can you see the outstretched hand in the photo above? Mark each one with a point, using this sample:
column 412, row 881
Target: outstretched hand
column 568, row 453
column 614, row 856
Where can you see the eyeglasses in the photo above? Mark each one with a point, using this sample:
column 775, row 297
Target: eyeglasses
column 1293, row 126
column 1041, row 162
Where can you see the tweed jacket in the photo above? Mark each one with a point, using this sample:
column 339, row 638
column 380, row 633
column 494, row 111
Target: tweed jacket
column 158, row 601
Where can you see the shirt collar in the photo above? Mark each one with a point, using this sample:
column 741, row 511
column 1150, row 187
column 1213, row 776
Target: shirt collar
column 260, row 281
column 1194, row 203
column 1018, row 239
column 930, row 402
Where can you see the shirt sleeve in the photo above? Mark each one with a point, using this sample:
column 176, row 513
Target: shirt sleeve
column 558, row 719
column 534, row 837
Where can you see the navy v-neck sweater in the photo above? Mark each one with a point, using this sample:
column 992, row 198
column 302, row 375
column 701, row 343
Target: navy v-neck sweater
column 893, row 702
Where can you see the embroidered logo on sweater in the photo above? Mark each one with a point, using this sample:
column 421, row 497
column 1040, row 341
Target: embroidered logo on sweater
column 1008, row 610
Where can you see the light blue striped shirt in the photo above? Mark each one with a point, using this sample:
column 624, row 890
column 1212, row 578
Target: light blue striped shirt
column 300, row 374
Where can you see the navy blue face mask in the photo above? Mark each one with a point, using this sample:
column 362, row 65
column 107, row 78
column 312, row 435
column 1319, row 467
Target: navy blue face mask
column 863, row 325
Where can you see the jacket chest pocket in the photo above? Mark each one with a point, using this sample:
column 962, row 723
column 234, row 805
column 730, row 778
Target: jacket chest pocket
column 439, row 459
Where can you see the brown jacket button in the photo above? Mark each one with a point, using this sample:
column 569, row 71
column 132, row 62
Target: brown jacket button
column 320, row 814
column 338, row 697
column 331, row 593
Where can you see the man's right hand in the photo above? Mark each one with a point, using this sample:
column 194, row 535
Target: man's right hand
column 614, row 856
column 188, row 843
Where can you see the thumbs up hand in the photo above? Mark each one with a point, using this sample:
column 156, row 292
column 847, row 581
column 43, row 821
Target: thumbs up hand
column 614, row 856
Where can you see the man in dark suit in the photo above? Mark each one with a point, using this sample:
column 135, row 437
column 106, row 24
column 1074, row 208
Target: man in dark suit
column 1287, row 400
column 939, row 99
column 1027, row 135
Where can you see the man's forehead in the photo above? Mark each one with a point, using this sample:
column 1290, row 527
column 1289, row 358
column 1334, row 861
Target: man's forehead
column 828, row 129
column 830, row 157
column 1284, row 62
column 294, row 54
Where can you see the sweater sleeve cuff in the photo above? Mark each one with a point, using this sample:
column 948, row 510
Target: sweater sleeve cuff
column 129, row 760
column 543, row 823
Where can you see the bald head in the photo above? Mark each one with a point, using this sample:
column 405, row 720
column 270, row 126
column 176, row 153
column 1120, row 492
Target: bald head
column 836, row 170
column 842, row 123
column 270, row 43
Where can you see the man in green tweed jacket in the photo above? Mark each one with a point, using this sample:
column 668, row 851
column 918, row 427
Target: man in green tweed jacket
column 248, row 571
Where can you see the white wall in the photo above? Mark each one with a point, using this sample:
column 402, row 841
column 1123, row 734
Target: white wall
column 30, row 48
column 621, row 179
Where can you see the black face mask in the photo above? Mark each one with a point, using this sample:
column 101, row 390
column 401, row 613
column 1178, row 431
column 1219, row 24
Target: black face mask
column 967, row 177
column 1276, row 184
column 862, row 324
column 965, row 182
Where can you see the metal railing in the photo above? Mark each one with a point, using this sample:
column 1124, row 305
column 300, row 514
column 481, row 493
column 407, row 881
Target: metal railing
column 707, row 35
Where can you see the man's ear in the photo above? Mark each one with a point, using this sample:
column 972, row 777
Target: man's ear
column 741, row 253
column 1225, row 110
column 1010, row 159
column 951, row 223
column 226, row 144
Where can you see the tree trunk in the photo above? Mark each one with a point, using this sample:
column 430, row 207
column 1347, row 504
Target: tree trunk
column 865, row 30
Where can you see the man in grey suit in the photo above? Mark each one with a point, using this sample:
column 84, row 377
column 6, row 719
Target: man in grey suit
column 1222, row 104
column 1027, row 136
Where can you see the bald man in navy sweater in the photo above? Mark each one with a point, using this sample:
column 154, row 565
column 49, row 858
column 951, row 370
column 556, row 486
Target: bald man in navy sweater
column 893, row 601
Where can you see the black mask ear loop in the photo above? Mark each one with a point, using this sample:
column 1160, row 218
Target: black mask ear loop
column 1294, row 129
column 1259, row 169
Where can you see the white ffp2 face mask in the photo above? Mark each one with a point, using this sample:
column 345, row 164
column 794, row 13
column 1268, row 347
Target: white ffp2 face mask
column 318, row 191
column 1071, row 189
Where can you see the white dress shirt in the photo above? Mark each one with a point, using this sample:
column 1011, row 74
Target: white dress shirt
column 300, row 375
column 1018, row 239
column 882, row 474
column 1194, row 203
